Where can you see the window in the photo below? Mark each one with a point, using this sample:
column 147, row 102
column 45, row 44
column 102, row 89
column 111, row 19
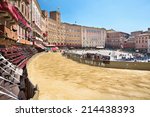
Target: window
column 22, row 8
column 19, row 4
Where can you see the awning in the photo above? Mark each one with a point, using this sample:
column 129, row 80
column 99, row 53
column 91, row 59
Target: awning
column 20, row 17
column 4, row 6
column 54, row 48
column 14, row 12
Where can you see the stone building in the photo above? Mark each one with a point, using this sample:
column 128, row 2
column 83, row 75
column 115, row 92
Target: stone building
column 36, row 20
column 44, row 26
column 73, row 35
column 93, row 37
column 15, row 23
column 129, row 43
column 115, row 39
column 56, row 30
column 142, row 42
column 136, row 33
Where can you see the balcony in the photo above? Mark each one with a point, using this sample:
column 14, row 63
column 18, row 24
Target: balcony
column 6, row 12
column 12, row 14
column 7, row 33
column 26, row 42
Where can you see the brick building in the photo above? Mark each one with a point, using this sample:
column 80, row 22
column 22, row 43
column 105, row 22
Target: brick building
column 129, row 43
column 136, row 33
column 142, row 42
column 116, row 39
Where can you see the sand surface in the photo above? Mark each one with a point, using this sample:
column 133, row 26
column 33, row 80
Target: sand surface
column 60, row 78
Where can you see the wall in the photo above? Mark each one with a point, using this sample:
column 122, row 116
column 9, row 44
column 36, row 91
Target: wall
column 93, row 37
column 141, row 42
column 73, row 35
column 116, row 39
column 112, row 64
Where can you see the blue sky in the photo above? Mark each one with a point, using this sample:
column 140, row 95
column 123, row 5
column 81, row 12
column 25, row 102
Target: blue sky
column 121, row 15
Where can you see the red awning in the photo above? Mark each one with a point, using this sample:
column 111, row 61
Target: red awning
column 20, row 17
column 13, row 11
column 54, row 48
column 4, row 6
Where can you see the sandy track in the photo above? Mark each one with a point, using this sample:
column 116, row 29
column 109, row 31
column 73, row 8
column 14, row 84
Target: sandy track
column 61, row 78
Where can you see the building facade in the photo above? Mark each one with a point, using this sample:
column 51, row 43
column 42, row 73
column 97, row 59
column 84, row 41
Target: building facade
column 23, row 22
column 36, row 20
column 24, row 32
column 73, row 35
column 56, row 30
column 142, row 42
column 44, row 26
column 15, row 23
column 116, row 39
column 93, row 37
column 129, row 43
column 136, row 33
column 39, row 29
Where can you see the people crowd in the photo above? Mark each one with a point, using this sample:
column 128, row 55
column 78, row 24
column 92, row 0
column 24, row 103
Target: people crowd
column 110, row 55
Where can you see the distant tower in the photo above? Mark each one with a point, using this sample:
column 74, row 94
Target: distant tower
column 55, row 15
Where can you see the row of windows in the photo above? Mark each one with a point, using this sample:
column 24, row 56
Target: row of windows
column 141, row 41
column 72, row 30
column 147, row 37
column 93, row 31
column 113, row 40
column 55, row 33
column 25, row 9
column 72, row 35
column 93, row 42
column 92, row 39
column 72, row 40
